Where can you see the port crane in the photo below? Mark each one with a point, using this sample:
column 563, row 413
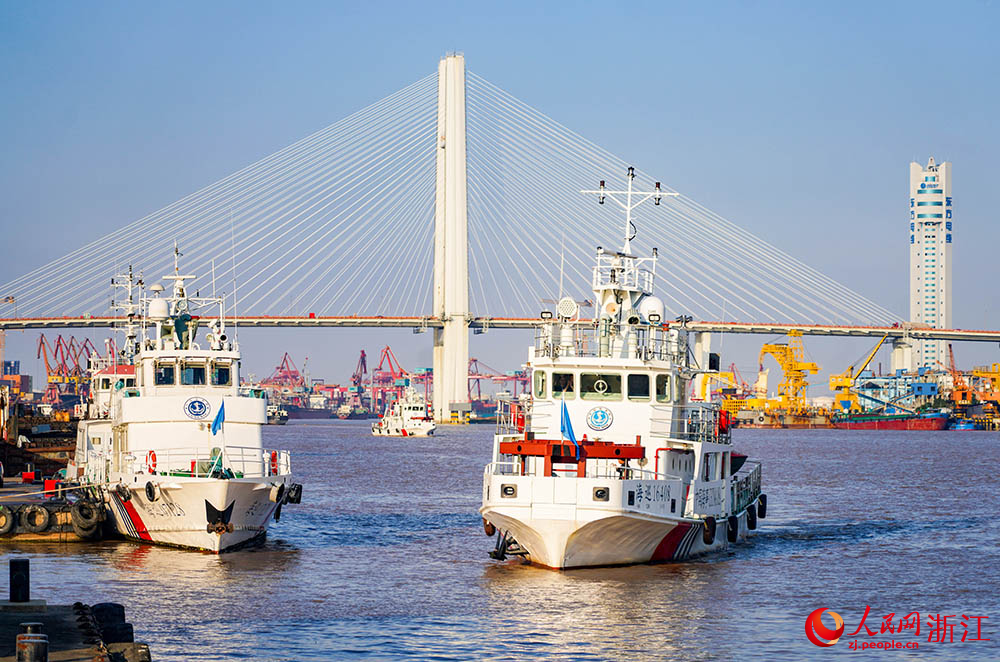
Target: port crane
column 845, row 398
column 794, row 385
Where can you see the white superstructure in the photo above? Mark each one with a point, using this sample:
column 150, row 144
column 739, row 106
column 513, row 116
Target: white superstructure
column 609, row 462
column 171, row 440
column 930, row 256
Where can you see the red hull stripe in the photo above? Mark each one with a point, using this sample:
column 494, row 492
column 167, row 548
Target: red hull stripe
column 133, row 516
column 668, row 546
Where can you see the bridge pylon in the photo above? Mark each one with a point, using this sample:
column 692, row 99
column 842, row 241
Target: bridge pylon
column 451, row 248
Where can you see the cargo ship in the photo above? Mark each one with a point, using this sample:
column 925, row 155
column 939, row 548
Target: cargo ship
column 933, row 421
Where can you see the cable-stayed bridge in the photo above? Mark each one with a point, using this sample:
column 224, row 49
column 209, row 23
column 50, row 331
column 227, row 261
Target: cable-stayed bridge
column 447, row 205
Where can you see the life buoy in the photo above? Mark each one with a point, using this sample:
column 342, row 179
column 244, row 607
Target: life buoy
column 274, row 463
column 85, row 515
column 6, row 520
column 733, row 530
column 35, row 518
column 708, row 531
column 151, row 462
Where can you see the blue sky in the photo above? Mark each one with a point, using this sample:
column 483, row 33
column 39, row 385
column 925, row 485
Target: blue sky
column 795, row 120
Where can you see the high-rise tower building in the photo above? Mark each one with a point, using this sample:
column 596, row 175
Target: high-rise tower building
column 930, row 256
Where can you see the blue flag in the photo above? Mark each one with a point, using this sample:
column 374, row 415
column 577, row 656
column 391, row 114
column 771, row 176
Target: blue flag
column 566, row 428
column 219, row 418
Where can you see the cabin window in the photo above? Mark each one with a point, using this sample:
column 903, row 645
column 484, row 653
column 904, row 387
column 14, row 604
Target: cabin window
column 192, row 374
column 600, row 386
column 638, row 387
column 539, row 384
column 164, row 373
column 105, row 384
column 563, row 385
column 222, row 374
column 129, row 382
column 663, row 388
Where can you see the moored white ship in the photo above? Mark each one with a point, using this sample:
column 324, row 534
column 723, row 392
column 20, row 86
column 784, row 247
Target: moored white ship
column 406, row 417
column 654, row 476
column 178, row 454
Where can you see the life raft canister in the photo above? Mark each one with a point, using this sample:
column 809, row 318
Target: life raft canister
column 723, row 426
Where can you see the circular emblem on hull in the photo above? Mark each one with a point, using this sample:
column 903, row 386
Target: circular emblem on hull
column 197, row 408
column 599, row 418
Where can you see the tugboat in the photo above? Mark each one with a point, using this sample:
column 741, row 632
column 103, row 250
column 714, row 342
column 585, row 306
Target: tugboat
column 177, row 455
column 276, row 415
column 407, row 417
column 653, row 477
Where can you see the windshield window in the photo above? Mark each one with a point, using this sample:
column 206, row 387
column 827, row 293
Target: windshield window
column 663, row 388
column 563, row 386
column 600, row 386
column 539, row 384
column 193, row 374
column 164, row 374
column 221, row 374
column 638, row 387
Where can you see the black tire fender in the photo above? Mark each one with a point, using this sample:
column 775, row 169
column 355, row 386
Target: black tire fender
column 752, row 518
column 7, row 520
column 733, row 528
column 85, row 515
column 762, row 506
column 42, row 521
column 708, row 531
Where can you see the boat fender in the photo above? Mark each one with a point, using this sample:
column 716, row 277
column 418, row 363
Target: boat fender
column 733, row 530
column 35, row 518
column 108, row 613
column 123, row 492
column 277, row 513
column 708, row 531
column 6, row 520
column 276, row 493
column 294, row 493
column 751, row 518
column 85, row 515
column 489, row 528
column 152, row 491
column 762, row 506
column 93, row 533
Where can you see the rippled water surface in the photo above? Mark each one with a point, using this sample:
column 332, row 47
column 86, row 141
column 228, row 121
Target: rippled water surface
column 386, row 558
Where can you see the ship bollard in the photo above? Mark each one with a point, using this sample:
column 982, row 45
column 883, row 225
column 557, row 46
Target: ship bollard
column 32, row 648
column 20, row 580
column 29, row 628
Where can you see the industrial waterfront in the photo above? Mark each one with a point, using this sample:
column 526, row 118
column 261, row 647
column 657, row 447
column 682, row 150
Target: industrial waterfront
column 382, row 563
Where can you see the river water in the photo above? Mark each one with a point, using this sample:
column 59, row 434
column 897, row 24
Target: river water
column 386, row 559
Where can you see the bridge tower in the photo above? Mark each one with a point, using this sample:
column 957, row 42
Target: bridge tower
column 451, row 256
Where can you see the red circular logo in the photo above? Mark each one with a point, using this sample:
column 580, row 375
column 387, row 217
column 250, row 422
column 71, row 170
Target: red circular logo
column 818, row 633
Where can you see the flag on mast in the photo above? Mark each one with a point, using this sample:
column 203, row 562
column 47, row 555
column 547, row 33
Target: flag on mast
column 220, row 418
column 566, row 429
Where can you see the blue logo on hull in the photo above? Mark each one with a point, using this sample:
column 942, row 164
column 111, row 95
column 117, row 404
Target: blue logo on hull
column 197, row 408
column 599, row 418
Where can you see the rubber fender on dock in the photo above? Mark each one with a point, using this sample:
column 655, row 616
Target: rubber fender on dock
column 152, row 491
column 123, row 492
column 732, row 528
column 752, row 517
column 85, row 515
column 708, row 531
column 118, row 633
column 108, row 613
column 7, row 520
column 35, row 518
column 762, row 506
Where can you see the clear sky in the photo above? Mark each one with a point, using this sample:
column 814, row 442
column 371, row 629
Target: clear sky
column 795, row 120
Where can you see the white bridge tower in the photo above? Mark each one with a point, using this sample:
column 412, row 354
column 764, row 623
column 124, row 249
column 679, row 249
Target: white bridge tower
column 451, row 253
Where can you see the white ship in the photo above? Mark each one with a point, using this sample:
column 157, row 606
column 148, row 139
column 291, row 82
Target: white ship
column 407, row 417
column 608, row 462
column 171, row 441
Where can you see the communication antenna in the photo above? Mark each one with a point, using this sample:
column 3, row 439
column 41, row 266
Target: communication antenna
column 656, row 194
column 232, row 238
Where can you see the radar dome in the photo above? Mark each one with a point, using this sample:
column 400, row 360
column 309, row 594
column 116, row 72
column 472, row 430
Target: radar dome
column 158, row 309
column 651, row 305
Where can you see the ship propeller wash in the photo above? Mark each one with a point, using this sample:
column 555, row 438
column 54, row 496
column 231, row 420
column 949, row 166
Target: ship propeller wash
column 608, row 462
column 171, row 441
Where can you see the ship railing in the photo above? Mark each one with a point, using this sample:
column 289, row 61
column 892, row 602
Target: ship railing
column 623, row 273
column 204, row 462
column 503, row 469
column 513, row 416
column 647, row 342
column 746, row 485
column 601, row 470
column 692, row 423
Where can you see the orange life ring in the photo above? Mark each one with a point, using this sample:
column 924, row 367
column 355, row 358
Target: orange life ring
column 274, row 463
column 151, row 462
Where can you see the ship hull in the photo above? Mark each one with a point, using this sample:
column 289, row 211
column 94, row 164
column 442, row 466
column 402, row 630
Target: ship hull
column 892, row 423
column 308, row 413
column 202, row 513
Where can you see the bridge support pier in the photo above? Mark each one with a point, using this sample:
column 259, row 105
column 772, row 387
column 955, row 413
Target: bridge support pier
column 451, row 258
column 902, row 355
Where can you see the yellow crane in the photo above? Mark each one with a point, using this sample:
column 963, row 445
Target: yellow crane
column 791, row 357
column 845, row 399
